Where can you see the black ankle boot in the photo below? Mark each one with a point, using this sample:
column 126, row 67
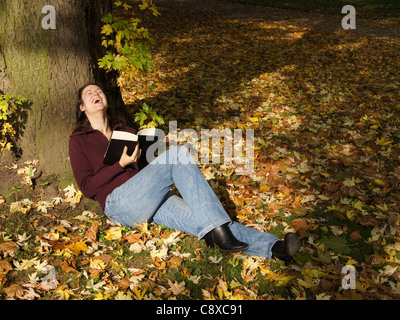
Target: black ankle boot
column 223, row 237
column 286, row 249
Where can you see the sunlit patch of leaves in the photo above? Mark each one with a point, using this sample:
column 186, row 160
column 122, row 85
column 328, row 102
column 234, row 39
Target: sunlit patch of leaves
column 325, row 109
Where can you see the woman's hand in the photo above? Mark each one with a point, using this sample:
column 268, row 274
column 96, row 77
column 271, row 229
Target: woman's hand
column 127, row 160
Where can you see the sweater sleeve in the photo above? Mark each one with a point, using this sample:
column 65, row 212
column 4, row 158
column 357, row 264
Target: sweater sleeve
column 90, row 182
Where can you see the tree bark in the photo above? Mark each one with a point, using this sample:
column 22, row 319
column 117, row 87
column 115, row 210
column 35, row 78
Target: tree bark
column 47, row 67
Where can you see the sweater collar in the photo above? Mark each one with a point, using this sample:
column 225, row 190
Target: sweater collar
column 87, row 130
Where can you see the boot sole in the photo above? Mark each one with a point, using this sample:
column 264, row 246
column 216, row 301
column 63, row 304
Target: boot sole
column 212, row 245
column 293, row 244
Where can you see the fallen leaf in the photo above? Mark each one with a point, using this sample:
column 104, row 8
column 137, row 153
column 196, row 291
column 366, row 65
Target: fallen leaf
column 14, row 291
column 92, row 232
column 369, row 221
column 177, row 288
column 114, row 233
column 8, row 246
column 77, row 247
column 5, row 266
column 67, row 268
column 300, row 226
column 175, row 262
column 355, row 235
column 132, row 237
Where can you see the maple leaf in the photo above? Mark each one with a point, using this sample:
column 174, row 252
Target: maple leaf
column 26, row 264
column 42, row 206
column 14, row 291
column 77, row 247
column 123, row 296
column 215, row 259
column 177, row 288
column 70, row 191
column 114, row 233
column 350, row 182
column 92, row 232
column 107, row 29
column 64, row 292
column 8, row 246
column 23, row 206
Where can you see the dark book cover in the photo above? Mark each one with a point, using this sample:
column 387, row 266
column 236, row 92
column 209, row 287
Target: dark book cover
column 120, row 139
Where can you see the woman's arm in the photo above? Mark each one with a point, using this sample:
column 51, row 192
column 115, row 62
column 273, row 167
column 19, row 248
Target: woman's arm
column 90, row 182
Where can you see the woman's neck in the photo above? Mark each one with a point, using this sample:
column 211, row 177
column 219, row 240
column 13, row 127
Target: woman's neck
column 100, row 123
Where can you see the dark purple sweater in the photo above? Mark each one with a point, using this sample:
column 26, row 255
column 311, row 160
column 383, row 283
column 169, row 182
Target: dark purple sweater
column 96, row 180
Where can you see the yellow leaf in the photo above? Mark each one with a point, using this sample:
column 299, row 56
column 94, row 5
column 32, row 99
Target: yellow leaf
column 122, row 296
column 358, row 205
column 383, row 208
column 350, row 214
column 350, row 182
column 379, row 182
column 64, row 292
column 127, row 6
column 242, row 126
column 76, row 248
column 107, row 29
column 383, row 141
column 322, row 197
column 97, row 264
column 264, row 187
column 60, row 229
column 105, row 296
column 114, row 233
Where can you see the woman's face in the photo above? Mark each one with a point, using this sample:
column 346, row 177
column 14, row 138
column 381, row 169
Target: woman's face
column 93, row 99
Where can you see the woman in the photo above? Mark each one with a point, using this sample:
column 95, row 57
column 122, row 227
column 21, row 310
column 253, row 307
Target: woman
column 129, row 194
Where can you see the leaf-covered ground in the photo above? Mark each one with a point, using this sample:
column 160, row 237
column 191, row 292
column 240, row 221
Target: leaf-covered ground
column 325, row 109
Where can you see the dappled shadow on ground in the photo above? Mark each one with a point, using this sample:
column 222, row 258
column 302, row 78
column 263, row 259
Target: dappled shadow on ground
column 324, row 106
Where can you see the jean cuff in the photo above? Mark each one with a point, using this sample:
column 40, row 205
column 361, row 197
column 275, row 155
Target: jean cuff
column 211, row 227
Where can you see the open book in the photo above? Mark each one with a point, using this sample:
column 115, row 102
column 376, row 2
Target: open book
column 120, row 139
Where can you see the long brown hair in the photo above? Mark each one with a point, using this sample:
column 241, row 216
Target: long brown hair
column 82, row 122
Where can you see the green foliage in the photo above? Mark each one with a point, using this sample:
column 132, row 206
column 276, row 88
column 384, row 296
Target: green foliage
column 9, row 116
column 147, row 114
column 128, row 50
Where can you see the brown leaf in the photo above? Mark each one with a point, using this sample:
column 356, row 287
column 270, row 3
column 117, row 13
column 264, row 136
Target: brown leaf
column 124, row 284
column 355, row 235
column 14, row 291
column 92, row 232
column 8, row 246
column 369, row 221
column 238, row 201
column 67, row 268
column 106, row 258
column 300, row 226
column 332, row 187
column 132, row 238
column 175, row 262
column 5, row 266
column 3, row 279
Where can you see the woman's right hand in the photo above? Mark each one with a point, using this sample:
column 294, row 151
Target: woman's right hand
column 127, row 160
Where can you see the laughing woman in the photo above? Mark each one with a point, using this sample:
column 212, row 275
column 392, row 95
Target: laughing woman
column 129, row 194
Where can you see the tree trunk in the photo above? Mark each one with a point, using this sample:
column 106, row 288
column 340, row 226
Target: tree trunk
column 47, row 66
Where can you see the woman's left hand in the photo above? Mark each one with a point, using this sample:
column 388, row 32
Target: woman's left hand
column 127, row 160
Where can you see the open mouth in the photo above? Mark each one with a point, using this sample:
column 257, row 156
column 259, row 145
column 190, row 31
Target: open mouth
column 96, row 101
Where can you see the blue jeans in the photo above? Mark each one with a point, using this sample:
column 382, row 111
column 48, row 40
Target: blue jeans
column 146, row 197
